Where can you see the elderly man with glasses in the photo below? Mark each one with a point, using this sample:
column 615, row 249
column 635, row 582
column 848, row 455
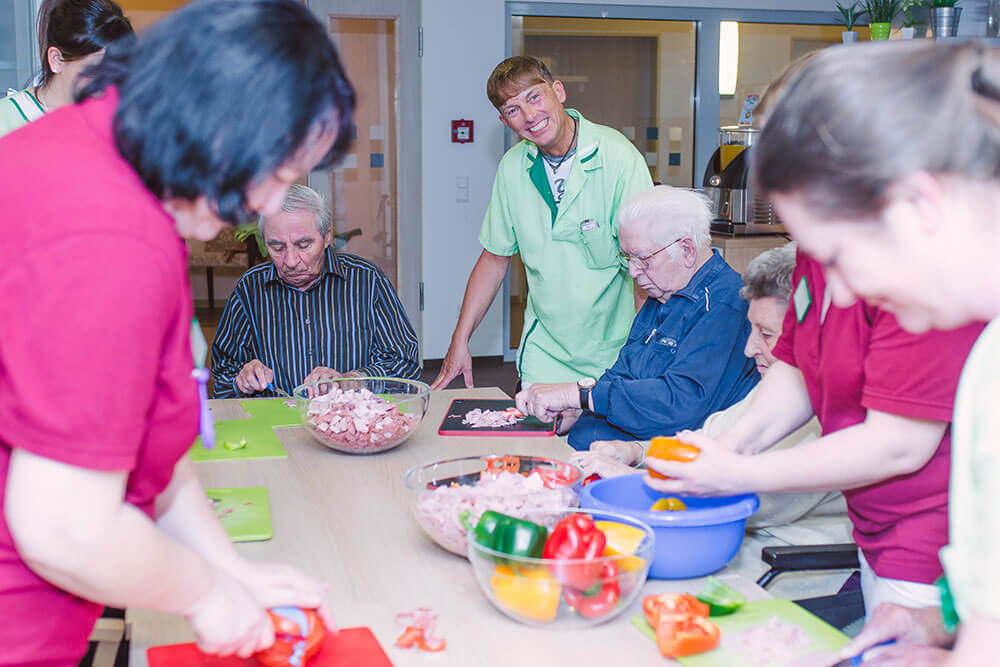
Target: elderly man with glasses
column 684, row 356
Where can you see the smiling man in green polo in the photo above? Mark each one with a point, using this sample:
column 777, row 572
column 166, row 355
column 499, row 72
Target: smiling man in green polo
column 554, row 201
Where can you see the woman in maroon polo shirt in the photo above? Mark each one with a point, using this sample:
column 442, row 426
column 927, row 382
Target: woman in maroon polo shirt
column 209, row 116
column 884, row 398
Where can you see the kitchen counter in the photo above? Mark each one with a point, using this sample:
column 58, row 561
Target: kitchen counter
column 347, row 520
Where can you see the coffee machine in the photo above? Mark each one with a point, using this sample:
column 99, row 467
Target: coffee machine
column 737, row 208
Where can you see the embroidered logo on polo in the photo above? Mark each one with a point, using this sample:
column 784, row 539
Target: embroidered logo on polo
column 802, row 299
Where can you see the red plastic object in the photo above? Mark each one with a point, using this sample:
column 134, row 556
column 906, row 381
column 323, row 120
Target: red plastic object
column 297, row 636
column 356, row 647
column 462, row 131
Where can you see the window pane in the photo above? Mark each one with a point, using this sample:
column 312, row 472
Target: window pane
column 765, row 49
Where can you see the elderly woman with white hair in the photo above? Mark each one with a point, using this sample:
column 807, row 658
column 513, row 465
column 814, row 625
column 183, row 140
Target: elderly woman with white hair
column 683, row 359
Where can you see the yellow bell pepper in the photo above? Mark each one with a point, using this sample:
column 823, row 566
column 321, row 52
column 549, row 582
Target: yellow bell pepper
column 622, row 540
column 530, row 592
column 670, row 504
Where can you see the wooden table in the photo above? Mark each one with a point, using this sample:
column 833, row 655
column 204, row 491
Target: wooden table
column 348, row 520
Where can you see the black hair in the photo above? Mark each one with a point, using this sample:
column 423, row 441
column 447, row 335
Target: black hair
column 219, row 94
column 78, row 28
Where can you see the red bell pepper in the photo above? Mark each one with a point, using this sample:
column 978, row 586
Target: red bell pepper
column 575, row 538
column 603, row 601
column 672, row 603
column 678, row 635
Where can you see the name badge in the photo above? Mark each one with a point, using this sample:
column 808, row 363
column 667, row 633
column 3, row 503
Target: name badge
column 802, row 299
column 589, row 224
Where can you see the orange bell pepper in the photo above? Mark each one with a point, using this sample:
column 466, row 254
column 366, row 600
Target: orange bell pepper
column 529, row 591
column 653, row 606
column 670, row 449
column 678, row 635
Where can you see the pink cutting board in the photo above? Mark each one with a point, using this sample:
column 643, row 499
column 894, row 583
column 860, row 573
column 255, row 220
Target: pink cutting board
column 354, row 647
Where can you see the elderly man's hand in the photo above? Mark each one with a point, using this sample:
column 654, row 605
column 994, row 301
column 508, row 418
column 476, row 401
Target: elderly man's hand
column 321, row 373
column 718, row 470
column 601, row 465
column 253, row 377
column 629, row 452
column 546, row 401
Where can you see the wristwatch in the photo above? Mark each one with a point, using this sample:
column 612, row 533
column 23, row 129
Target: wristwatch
column 585, row 385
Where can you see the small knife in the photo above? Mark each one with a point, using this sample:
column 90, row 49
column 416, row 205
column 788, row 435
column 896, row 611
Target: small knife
column 859, row 658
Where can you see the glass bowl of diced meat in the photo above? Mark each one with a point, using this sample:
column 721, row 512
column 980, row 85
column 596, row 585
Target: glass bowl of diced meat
column 452, row 494
column 362, row 415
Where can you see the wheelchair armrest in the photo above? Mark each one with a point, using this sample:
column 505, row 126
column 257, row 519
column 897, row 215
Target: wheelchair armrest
column 813, row 557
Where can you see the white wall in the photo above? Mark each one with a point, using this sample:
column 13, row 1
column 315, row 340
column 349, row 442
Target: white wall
column 463, row 41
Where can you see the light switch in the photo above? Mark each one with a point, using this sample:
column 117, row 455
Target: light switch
column 462, row 189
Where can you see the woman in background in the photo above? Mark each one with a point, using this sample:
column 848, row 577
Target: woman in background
column 72, row 36
column 884, row 163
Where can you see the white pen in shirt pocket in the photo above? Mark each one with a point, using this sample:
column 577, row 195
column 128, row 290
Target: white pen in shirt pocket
column 589, row 224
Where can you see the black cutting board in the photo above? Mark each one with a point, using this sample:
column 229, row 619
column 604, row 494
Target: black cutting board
column 452, row 424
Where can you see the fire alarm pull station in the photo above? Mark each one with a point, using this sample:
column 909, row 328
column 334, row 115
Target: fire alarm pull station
column 461, row 131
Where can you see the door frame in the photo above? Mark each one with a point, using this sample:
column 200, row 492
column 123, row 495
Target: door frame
column 406, row 17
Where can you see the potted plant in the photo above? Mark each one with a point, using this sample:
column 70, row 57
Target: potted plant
column 880, row 16
column 849, row 16
column 944, row 17
column 911, row 25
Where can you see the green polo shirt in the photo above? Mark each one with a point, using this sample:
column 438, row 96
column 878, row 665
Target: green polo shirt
column 580, row 297
column 17, row 109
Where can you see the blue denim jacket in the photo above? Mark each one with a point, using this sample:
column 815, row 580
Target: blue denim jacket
column 683, row 360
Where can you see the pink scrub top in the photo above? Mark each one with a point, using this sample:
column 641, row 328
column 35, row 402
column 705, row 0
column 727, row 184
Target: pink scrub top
column 95, row 352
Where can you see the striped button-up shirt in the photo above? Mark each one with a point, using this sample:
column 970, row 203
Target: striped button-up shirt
column 348, row 320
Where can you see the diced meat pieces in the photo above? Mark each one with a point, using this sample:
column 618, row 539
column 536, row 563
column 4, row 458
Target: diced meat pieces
column 478, row 418
column 358, row 420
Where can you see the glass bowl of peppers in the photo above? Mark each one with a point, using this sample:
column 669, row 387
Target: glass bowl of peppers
column 586, row 570
column 452, row 494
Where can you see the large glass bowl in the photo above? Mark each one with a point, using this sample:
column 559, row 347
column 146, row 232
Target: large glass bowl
column 541, row 592
column 454, row 493
column 362, row 415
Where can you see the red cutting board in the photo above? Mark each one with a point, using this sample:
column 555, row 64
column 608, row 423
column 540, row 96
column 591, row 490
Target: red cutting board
column 350, row 647
column 452, row 423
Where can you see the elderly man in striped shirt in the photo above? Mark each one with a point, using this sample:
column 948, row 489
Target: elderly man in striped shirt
column 311, row 314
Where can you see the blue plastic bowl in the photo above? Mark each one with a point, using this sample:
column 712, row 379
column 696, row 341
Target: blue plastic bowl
column 689, row 544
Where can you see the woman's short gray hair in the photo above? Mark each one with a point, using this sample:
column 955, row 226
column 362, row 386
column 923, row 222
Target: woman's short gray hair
column 673, row 213
column 303, row 198
column 770, row 274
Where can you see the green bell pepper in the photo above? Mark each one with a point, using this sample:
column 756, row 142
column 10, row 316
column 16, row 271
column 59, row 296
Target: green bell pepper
column 508, row 534
column 721, row 599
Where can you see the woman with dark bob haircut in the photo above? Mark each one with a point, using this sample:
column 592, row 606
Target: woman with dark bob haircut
column 72, row 36
column 204, row 120
column 884, row 162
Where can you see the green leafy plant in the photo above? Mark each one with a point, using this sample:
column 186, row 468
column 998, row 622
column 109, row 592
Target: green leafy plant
column 943, row 3
column 881, row 11
column 907, row 7
column 850, row 15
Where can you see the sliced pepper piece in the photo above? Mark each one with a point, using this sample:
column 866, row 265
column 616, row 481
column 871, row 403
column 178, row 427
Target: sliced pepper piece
column 596, row 605
column 653, row 606
column 720, row 598
column 670, row 449
column 530, row 592
column 670, row 504
column 576, row 538
column 678, row 635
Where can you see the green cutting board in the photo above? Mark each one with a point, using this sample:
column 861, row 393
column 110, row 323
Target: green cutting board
column 262, row 443
column 273, row 411
column 244, row 512
column 818, row 637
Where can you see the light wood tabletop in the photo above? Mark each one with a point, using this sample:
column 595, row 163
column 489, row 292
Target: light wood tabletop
column 347, row 520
